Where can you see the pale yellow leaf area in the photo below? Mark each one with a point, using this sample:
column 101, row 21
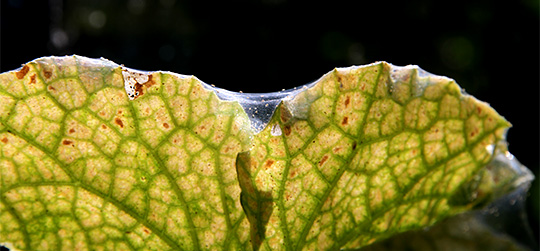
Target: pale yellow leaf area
column 95, row 156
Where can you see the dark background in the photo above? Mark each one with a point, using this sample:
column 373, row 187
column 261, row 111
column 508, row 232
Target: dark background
column 491, row 48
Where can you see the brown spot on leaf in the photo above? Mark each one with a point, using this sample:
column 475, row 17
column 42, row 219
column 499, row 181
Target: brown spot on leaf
column 347, row 101
column 67, row 142
column 324, row 159
column 103, row 126
column 268, row 163
column 166, row 125
column 51, row 88
column 119, row 122
column 345, row 121
column 288, row 196
column 32, row 79
column 20, row 74
column 5, row 140
column 47, row 74
column 292, row 174
column 287, row 130
column 146, row 230
column 354, row 145
column 71, row 130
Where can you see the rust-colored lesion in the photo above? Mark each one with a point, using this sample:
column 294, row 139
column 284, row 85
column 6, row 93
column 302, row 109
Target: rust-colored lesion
column 32, row 79
column 21, row 73
column 324, row 159
column 119, row 122
column 268, row 163
column 166, row 126
column 150, row 81
column 67, row 142
column 292, row 173
column 4, row 140
column 47, row 74
column 345, row 121
column 347, row 101
column 146, row 230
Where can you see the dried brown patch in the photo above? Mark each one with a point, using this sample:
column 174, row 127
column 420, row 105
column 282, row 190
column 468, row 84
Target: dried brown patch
column 71, row 130
column 285, row 115
column 32, row 79
column 138, row 89
column 287, row 130
column 324, row 159
column 20, row 74
column 51, row 88
column 150, row 81
column 166, row 125
column 354, row 145
column 268, row 163
column 347, row 101
column 103, row 126
column 345, row 121
column 119, row 122
column 4, row 140
column 67, row 142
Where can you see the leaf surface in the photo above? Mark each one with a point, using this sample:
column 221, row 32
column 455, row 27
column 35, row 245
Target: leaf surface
column 97, row 156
